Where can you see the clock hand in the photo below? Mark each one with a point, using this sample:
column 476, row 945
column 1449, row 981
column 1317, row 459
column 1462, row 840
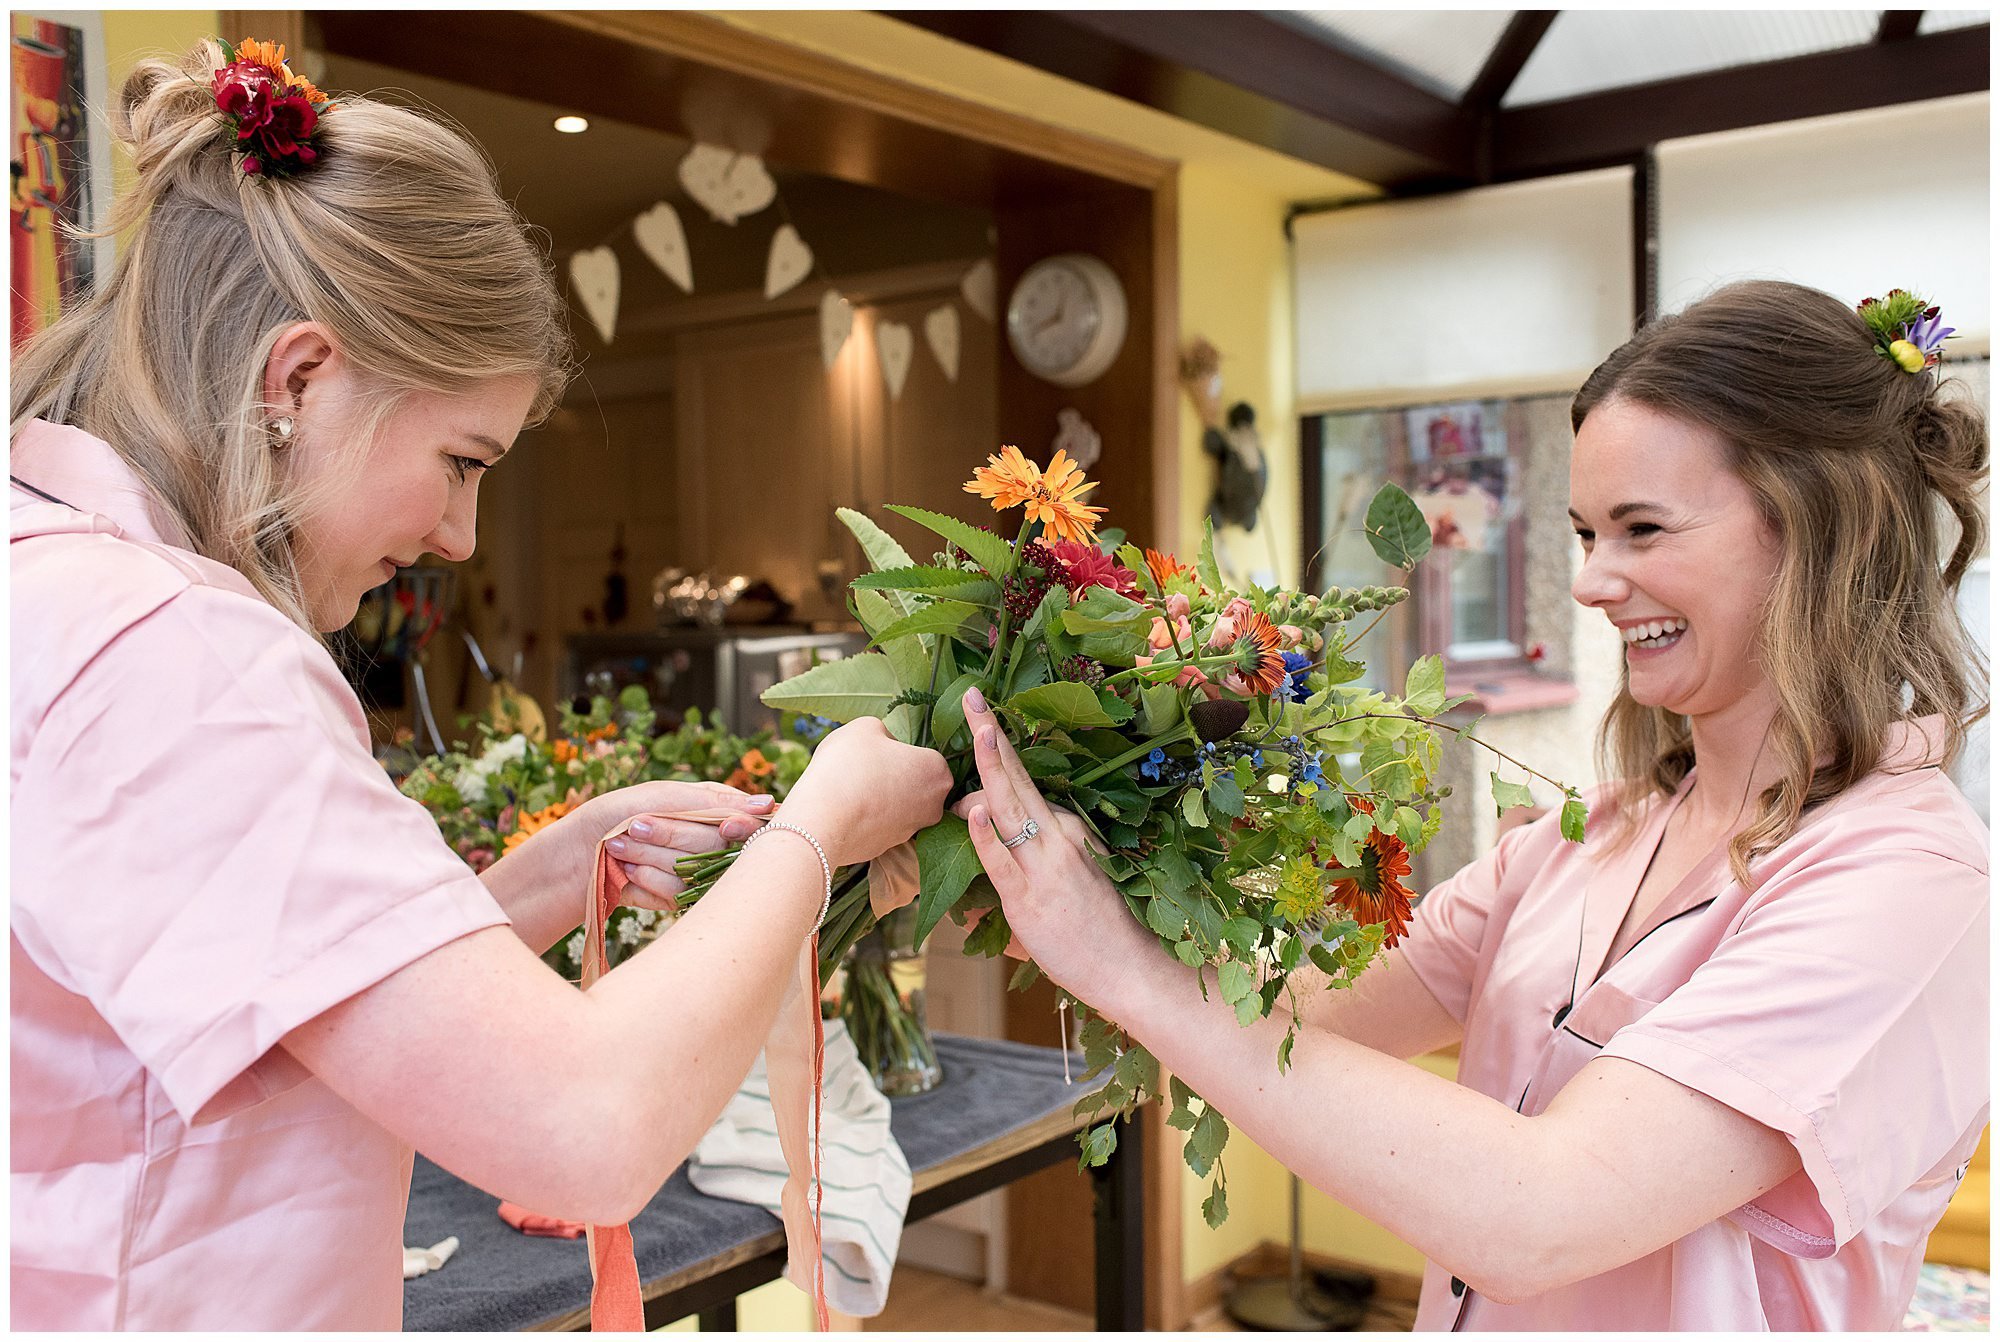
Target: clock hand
column 1055, row 321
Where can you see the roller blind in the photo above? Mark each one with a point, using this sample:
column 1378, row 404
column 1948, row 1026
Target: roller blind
column 1506, row 289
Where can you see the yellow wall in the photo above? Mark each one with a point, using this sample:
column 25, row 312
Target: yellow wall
column 131, row 34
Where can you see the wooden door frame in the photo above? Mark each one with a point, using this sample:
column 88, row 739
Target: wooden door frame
column 1001, row 154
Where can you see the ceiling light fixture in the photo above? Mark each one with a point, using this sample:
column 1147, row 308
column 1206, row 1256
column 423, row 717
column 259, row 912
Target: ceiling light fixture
column 572, row 125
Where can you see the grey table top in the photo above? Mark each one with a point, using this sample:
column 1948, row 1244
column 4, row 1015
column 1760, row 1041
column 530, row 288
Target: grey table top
column 502, row 1280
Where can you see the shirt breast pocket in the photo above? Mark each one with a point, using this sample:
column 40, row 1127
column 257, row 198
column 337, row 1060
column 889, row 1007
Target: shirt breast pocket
column 1603, row 1011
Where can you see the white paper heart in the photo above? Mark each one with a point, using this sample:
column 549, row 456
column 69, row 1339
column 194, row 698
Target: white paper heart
column 895, row 343
column 727, row 184
column 941, row 334
column 978, row 289
column 665, row 243
column 790, row 261
column 836, row 320
column 595, row 275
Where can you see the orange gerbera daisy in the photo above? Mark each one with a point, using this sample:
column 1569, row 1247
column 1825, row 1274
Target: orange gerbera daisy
column 530, row 822
column 1164, row 566
column 271, row 55
column 1262, row 649
column 1374, row 892
column 1053, row 497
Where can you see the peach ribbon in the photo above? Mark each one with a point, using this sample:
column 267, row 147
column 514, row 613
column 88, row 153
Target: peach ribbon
column 795, row 1061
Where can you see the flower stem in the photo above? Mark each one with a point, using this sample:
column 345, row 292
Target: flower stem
column 1183, row 732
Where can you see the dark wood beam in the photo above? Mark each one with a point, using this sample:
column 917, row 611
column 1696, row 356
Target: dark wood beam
column 1898, row 24
column 1597, row 129
column 1241, row 73
column 1509, row 55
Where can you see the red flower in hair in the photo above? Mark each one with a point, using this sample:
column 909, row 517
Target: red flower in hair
column 275, row 120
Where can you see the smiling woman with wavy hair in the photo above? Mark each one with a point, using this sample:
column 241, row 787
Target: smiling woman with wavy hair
column 1851, row 460
column 1722, row 1064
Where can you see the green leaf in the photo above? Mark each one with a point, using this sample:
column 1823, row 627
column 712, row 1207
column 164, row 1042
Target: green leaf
column 1179, row 1092
column 1191, row 808
column 862, row 686
column 1396, row 528
column 946, row 864
column 1133, row 558
column 924, row 579
column 1225, row 794
column 1242, row 933
column 1067, row 704
column 1285, row 1051
column 991, row 936
column 882, row 549
column 1210, row 1135
column 1204, row 564
column 1181, row 1117
column 1159, row 709
column 1054, row 602
column 1024, row 975
column 988, row 551
column 1388, row 769
column 1098, row 1143
column 1044, row 762
column 935, row 617
column 1409, row 826
column 1236, row 981
column 948, row 717
column 1215, row 1207
column 1574, row 816
column 1507, row 794
column 228, row 49
column 1424, row 691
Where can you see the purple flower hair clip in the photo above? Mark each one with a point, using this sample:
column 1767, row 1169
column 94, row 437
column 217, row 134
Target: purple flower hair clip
column 1908, row 331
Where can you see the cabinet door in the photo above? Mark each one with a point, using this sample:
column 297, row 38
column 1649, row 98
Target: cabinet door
column 766, row 438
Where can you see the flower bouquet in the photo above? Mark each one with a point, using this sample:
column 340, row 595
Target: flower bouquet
column 1255, row 806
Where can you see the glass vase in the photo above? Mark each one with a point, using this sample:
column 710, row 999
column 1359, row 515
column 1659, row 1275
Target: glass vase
column 882, row 1002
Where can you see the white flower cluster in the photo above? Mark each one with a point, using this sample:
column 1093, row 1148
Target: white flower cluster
column 470, row 781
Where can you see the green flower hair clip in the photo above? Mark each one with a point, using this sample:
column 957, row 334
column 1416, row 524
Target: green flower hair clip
column 1908, row 331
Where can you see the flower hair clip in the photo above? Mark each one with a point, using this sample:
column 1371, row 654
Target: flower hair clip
column 276, row 113
column 1908, row 332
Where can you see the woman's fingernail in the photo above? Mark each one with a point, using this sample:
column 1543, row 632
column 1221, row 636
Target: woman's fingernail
column 759, row 802
column 974, row 700
column 619, row 846
column 989, row 737
column 641, row 830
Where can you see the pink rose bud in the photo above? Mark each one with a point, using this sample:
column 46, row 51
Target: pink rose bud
column 1177, row 605
column 1291, row 634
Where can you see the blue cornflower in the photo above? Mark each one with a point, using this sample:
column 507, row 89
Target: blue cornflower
column 1256, row 759
column 1150, row 766
column 1294, row 687
column 1309, row 772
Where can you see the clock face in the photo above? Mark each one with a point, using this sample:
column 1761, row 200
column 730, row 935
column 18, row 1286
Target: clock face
column 1053, row 319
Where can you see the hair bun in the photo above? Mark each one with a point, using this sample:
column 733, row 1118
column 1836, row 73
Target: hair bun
column 1948, row 436
column 166, row 116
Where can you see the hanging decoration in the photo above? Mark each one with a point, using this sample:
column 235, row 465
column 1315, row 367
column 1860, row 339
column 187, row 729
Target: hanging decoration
column 595, row 275
column 979, row 289
column 836, row 323
column 941, row 334
column 791, row 261
column 894, row 342
column 729, row 185
column 664, row 241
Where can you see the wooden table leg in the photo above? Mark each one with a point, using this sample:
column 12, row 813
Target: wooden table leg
column 718, row 1318
column 1120, row 1188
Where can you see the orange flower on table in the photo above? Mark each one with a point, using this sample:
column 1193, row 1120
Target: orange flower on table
column 1375, row 892
column 1053, row 497
column 1262, row 647
column 750, row 770
column 563, row 751
column 533, row 821
column 605, row 733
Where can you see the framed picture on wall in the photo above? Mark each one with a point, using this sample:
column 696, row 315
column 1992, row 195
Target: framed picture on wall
column 59, row 164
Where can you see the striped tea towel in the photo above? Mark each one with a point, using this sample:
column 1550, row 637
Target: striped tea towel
column 865, row 1180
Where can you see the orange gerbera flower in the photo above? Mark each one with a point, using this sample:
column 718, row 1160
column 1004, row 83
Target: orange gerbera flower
column 1375, row 893
column 1053, row 497
column 271, row 55
column 563, row 751
column 1164, row 566
column 530, row 822
column 1262, row 647
column 604, row 733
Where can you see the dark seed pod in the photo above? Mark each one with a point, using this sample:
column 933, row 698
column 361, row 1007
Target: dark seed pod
column 1219, row 719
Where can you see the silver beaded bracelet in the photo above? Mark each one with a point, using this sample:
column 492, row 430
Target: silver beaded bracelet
column 826, row 868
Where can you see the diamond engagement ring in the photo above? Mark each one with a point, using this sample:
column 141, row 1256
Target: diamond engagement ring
column 1028, row 831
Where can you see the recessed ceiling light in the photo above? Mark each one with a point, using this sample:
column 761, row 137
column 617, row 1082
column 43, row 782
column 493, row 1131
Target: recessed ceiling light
column 572, row 125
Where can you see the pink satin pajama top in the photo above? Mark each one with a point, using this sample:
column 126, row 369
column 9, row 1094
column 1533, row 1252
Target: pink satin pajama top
column 1841, row 1000
column 204, row 857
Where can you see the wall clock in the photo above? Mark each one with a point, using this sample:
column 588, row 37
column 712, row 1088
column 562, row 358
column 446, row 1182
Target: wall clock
column 1066, row 319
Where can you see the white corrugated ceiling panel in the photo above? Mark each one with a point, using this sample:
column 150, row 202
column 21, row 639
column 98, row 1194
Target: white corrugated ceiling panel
column 1588, row 51
column 1442, row 50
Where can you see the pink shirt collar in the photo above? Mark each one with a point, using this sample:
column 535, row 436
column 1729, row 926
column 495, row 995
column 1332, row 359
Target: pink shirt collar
column 87, row 474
